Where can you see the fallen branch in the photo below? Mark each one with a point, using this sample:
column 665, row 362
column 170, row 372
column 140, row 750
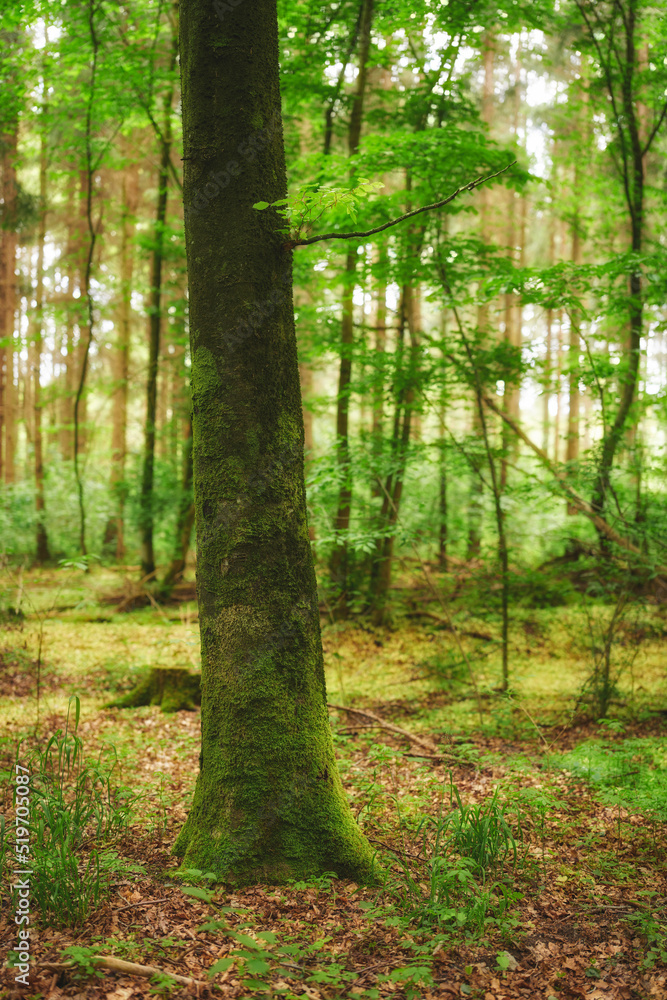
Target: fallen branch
column 450, row 628
column 387, row 847
column 437, row 757
column 391, row 728
column 129, row 968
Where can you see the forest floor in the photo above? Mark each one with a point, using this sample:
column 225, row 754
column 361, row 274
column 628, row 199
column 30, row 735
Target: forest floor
column 528, row 859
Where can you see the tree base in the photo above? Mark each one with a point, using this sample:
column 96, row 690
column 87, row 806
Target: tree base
column 172, row 688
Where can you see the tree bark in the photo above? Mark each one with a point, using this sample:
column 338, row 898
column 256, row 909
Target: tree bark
column 115, row 532
column 154, row 323
column 268, row 804
column 185, row 520
column 338, row 566
column 42, row 554
column 8, row 239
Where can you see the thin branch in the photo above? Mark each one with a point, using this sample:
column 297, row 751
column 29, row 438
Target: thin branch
column 128, row 968
column 605, row 63
column 599, row 385
column 377, row 720
column 408, row 215
column 146, row 105
column 655, row 130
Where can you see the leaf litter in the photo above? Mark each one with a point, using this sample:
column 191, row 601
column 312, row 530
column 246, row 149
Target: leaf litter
column 589, row 889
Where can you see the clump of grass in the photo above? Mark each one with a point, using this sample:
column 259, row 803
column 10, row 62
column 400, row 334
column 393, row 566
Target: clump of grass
column 459, row 885
column 74, row 804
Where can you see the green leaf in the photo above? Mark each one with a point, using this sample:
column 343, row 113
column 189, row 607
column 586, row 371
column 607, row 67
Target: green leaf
column 220, row 966
column 255, row 984
column 214, row 925
column 257, row 966
column 261, row 205
column 193, row 890
column 246, row 941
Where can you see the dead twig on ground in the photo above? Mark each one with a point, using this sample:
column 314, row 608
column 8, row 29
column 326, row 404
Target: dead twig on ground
column 391, row 728
column 128, row 968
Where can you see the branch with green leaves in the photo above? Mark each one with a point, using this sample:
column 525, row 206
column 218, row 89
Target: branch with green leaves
column 324, row 199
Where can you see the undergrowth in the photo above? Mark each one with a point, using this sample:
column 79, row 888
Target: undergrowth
column 77, row 810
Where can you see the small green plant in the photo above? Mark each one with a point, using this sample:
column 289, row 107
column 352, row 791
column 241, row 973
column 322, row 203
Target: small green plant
column 162, row 983
column 653, row 930
column 460, row 850
column 610, row 659
column 370, row 787
column 320, row 883
column 413, row 979
column 73, row 803
column 83, row 960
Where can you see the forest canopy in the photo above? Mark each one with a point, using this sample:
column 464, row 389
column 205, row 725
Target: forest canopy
column 484, row 380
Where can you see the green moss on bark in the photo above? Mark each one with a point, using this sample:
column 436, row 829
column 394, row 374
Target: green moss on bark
column 268, row 803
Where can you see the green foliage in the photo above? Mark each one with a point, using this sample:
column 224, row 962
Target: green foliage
column 317, row 205
column 481, row 832
column 73, row 802
column 652, row 928
column 631, row 773
column 462, row 850
column 83, row 959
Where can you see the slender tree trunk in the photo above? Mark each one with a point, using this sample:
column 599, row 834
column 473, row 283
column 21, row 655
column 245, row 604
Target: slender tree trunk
column 393, row 488
column 115, row 531
column 572, row 449
column 513, row 312
column 548, row 358
column 83, row 346
column 268, row 803
column 338, row 566
column 41, row 540
column 379, row 347
column 185, row 520
column 155, row 317
column 633, row 179
column 476, row 497
column 8, row 240
column 559, row 388
column 67, row 360
column 548, row 375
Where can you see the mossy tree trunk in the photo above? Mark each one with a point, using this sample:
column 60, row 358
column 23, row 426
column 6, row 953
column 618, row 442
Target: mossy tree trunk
column 268, row 803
